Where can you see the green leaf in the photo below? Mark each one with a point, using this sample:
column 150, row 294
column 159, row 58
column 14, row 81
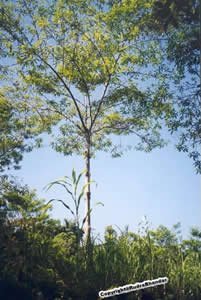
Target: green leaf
column 74, row 176
column 64, row 204
column 59, row 182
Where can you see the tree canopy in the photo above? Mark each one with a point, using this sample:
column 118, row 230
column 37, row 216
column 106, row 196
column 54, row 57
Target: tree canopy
column 86, row 68
column 20, row 127
column 84, row 62
column 177, row 23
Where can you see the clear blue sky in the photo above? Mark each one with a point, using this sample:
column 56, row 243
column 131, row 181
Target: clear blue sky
column 161, row 185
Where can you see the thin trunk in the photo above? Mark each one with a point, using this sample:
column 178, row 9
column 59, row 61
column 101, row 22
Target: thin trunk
column 87, row 225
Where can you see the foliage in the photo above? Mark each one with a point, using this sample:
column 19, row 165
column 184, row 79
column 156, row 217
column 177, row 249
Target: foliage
column 41, row 259
column 20, row 127
column 74, row 57
column 72, row 188
column 31, row 245
column 177, row 25
column 86, row 62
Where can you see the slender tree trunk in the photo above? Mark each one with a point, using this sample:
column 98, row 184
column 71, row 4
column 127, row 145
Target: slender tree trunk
column 87, row 225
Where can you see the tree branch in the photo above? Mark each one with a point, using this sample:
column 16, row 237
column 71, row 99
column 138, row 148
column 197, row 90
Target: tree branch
column 67, row 88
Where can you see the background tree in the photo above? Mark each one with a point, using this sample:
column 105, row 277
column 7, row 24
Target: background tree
column 86, row 63
column 177, row 24
column 20, row 127
column 35, row 249
column 22, row 120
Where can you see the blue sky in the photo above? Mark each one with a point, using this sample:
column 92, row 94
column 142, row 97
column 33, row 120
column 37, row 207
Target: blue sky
column 161, row 185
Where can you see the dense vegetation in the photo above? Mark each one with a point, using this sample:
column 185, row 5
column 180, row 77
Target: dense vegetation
column 43, row 259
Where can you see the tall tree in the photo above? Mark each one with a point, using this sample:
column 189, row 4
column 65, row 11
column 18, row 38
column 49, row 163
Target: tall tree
column 86, row 61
